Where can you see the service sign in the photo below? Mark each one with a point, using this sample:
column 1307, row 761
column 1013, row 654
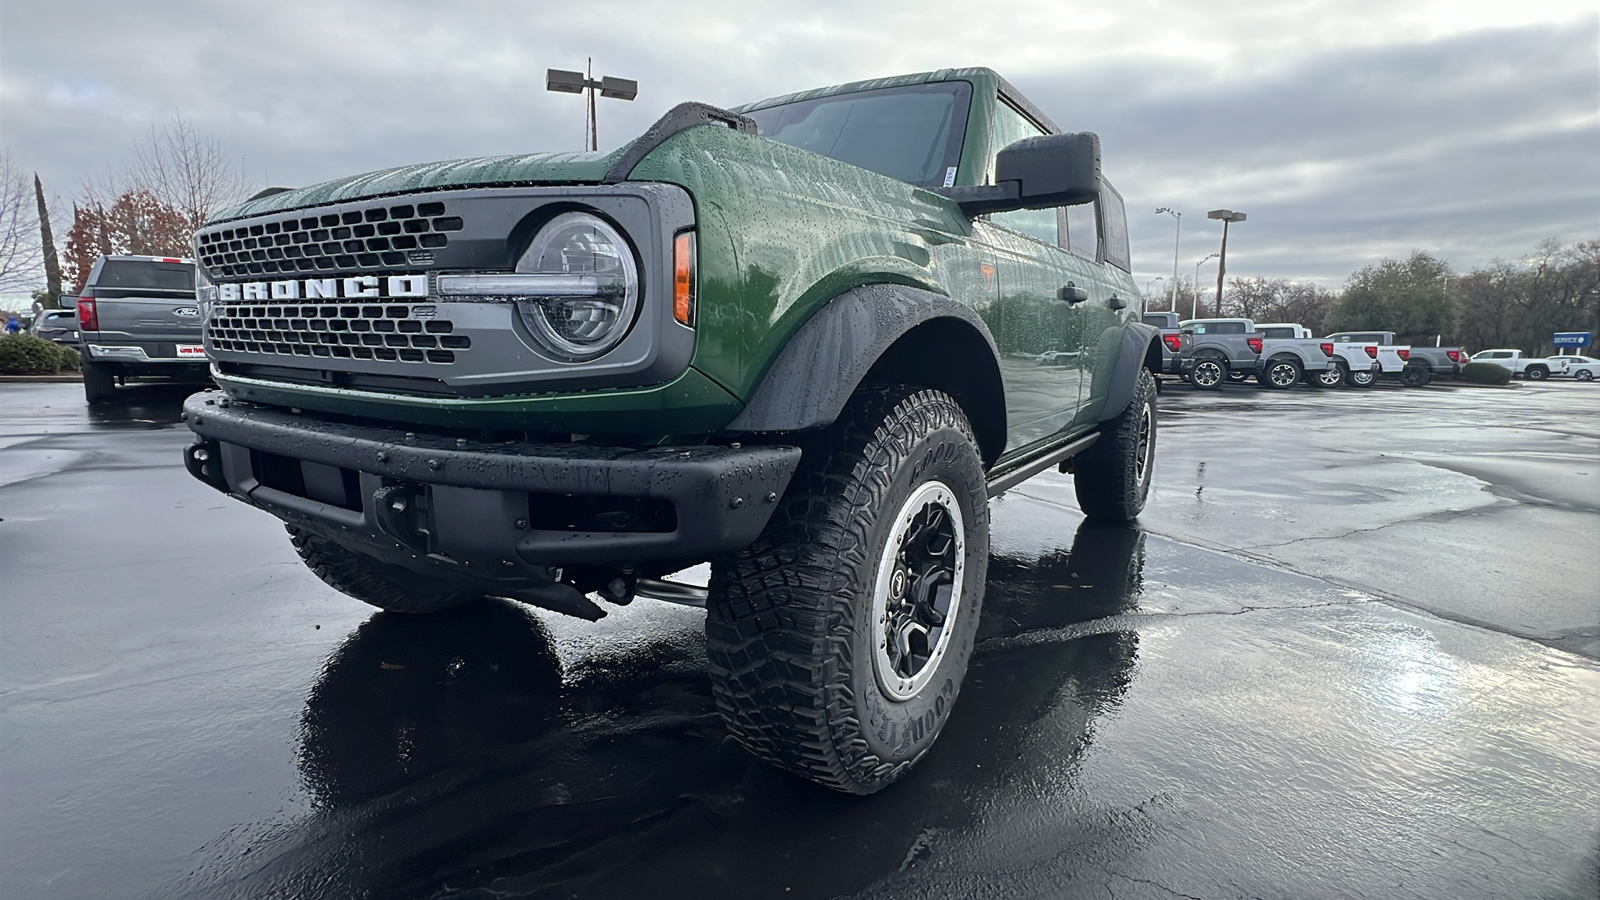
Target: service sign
column 1571, row 338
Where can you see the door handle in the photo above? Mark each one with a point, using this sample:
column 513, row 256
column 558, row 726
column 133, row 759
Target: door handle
column 1072, row 294
column 1118, row 302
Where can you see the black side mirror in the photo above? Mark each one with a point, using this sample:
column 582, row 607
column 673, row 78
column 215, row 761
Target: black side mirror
column 1036, row 173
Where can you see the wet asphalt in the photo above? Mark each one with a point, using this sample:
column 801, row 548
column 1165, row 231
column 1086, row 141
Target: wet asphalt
column 1350, row 651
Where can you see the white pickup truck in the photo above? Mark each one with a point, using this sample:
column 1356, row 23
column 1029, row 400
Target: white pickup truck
column 1352, row 360
column 1531, row 369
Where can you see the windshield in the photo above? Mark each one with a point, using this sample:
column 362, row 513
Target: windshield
column 910, row 133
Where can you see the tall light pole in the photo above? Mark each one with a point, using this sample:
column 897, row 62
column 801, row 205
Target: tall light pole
column 1194, row 305
column 1228, row 217
column 1177, row 232
column 1143, row 305
column 564, row 82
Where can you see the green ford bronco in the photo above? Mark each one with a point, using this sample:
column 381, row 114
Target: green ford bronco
column 805, row 340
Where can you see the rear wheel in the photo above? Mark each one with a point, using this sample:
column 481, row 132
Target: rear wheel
column 1112, row 477
column 1583, row 375
column 387, row 587
column 1415, row 376
column 99, row 382
column 1537, row 373
column 1280, row 374
column 1209, row 373
column 838, row 641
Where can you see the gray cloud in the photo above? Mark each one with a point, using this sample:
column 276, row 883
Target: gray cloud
column 1349, row 131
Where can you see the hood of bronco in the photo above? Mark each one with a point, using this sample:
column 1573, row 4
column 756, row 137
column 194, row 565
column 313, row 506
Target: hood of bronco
column 489, row 171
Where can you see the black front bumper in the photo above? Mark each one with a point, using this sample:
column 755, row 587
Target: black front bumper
column 502, row 512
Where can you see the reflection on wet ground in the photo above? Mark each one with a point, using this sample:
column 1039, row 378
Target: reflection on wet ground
column 457, row 750
column 191, row 714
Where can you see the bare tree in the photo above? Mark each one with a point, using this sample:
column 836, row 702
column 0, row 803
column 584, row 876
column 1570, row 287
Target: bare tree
column 19, row 230
column 186, row 172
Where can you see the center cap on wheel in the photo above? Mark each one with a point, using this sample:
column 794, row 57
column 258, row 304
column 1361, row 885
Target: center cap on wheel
column 897, row 584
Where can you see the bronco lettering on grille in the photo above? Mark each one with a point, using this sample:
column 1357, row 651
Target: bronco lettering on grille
column 314, row 288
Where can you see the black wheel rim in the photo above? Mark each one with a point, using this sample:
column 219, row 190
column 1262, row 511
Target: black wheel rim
column 918, row 592
column 1144, row 444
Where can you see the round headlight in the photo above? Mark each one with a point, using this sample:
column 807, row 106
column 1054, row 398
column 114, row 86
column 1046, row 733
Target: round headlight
column 581, row 325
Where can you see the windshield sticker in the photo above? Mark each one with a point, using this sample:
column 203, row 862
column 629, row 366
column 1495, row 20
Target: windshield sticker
column 950, row 177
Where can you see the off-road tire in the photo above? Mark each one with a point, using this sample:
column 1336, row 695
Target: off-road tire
column 1536, row 373
column 1112, row 477
column 1415, row 376
column 99, row 382
column 1209, row 372
column 789, row 622
column 1280, row 374
column 389, row 588
column 1361, row 379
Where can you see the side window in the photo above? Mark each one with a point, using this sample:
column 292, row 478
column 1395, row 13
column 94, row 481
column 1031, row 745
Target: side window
column 1115, row 222
column 1011, row 126
column 1083, row 238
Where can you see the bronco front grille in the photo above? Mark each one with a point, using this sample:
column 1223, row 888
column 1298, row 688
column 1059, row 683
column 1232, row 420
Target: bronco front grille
column 376, row 237
column 399, row 332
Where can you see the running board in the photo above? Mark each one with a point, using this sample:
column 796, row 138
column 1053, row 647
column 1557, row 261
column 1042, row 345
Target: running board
column 1033, row 467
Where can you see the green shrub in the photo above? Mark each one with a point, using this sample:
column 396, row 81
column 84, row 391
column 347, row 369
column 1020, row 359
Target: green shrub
column 70, row 360
column 24, row 354
column 1485, row 373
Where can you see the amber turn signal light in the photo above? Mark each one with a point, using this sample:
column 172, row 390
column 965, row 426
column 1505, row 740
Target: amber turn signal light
column 683, row 286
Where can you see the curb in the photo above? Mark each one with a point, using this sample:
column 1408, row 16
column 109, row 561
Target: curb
column 41, row 379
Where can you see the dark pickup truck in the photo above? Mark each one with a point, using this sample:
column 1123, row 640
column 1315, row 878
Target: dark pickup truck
column 137, row 318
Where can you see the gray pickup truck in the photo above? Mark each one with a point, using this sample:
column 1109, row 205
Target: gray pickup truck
column 1422, row 364
column 137, row 318
column 1171, row 340
column 1215, row 350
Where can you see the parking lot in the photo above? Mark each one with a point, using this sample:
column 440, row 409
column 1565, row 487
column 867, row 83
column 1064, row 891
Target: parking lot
column 1351, row 651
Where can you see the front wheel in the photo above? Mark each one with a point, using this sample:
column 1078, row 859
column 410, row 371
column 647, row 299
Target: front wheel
column 1112, row 477
column 1365, row 378
column 838, row 641
column 1331, row 377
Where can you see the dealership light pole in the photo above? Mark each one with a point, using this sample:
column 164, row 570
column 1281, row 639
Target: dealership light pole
column 1194, row 305
column 1143, row 303
column 564, row 82
column 1228, row 217
column 1177, row 232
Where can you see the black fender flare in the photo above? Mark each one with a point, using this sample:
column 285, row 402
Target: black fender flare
column 1133, row 353
column 836, row 350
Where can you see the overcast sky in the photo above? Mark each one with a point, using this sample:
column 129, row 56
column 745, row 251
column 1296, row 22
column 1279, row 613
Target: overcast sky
column 1348, row 131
